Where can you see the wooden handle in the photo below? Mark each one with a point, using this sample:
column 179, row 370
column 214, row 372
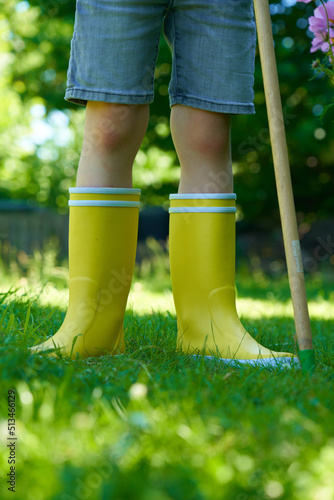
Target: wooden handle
column 282, row 174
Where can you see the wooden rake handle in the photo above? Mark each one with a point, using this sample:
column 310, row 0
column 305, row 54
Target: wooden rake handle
column 284, row 184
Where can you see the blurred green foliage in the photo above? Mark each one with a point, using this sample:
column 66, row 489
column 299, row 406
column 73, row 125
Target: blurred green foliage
column 41, row 133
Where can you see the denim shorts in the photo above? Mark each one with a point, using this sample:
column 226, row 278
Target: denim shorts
column 115, row 46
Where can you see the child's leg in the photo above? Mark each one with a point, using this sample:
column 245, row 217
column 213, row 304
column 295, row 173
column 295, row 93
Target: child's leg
column 103, row 232
column 113, row 55
column 213, row 47
column 202, row 243
column 112, row 137
column 202, row 142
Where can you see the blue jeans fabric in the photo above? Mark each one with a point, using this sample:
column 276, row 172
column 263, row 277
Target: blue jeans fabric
column 115, row 47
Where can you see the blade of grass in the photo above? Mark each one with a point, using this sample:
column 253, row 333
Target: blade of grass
column 44, row 320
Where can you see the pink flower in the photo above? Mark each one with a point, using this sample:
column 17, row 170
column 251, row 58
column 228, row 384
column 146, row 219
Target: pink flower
column 318, row 24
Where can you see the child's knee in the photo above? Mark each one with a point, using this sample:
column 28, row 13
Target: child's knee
column 206, row 133
column 112, row 126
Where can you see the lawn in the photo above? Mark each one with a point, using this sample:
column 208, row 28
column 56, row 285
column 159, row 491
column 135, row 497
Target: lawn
column 155, row 424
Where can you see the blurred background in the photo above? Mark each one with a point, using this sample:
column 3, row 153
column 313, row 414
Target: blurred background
column 41, row 137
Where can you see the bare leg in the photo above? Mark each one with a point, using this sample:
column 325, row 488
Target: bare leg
column 202, row 142
column 112, row 137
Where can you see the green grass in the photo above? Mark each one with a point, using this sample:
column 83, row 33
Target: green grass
column 155, row 424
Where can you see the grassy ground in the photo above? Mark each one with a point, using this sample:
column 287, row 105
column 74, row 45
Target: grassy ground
column 156, row 424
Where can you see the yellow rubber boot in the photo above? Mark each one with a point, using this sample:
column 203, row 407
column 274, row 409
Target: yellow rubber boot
column 103, row 232
column 202, row 262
